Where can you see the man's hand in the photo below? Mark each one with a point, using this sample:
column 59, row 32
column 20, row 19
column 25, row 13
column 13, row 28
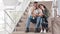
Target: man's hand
column 41, row 15
column 34, row 15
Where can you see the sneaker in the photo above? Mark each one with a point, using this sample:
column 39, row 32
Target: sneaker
column 44, row 30
column 41, row 30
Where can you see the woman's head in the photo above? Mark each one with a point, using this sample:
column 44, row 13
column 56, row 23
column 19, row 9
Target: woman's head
column 41, row 6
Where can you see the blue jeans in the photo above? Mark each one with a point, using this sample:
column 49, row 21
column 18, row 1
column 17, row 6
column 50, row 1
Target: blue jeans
column 38, row 21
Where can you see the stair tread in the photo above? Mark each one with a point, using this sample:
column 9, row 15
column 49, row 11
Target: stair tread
column 23, row 32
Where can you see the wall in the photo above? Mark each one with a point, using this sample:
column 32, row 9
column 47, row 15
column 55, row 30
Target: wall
column 58, row 7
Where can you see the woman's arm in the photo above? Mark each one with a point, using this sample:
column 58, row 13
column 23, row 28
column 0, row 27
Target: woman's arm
column 40, row 12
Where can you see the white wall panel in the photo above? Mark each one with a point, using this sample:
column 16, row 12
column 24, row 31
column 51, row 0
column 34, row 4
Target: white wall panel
column 10, row 2
column 58, row 7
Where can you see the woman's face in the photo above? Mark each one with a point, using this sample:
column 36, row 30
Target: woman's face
column 42, row 7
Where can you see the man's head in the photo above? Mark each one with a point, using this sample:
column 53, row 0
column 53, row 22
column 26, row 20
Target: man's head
column 35, row 4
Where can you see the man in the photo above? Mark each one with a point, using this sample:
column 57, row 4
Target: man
column 33, row 17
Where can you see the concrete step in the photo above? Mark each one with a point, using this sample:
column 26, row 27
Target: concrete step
column 23, row 24
column 23, row 19
column 23, row 32
column 25, row 13
column 24, row 16
column 24, row 28
column 20, row 28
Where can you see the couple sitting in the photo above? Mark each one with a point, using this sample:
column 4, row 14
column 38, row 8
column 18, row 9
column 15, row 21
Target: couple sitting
column 38, row 14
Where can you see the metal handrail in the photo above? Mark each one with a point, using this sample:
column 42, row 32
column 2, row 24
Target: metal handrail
column 7, row 31
column 7, row 23
column 11, row 19
column 9, row 16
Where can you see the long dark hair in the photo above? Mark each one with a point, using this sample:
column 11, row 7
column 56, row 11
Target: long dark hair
column 46, row 10
column 43, row 6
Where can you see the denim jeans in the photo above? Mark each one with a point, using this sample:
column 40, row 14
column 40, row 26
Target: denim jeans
column 38, row 21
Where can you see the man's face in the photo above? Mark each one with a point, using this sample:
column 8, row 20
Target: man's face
column 35, row 4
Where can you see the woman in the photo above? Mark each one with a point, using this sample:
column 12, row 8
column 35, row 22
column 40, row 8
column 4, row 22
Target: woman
column 45, row 15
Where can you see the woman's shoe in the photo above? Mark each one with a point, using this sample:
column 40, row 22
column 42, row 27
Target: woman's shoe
column 41, row 30
column 44, row 30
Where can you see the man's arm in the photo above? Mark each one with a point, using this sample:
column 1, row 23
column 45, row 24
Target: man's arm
column 33, row 14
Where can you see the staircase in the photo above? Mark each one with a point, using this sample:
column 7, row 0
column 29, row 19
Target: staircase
column 20, row 28
column 21, row 25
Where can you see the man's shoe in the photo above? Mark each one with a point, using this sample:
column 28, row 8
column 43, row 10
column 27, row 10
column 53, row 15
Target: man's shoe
column 37, row 30
column 27, row 30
